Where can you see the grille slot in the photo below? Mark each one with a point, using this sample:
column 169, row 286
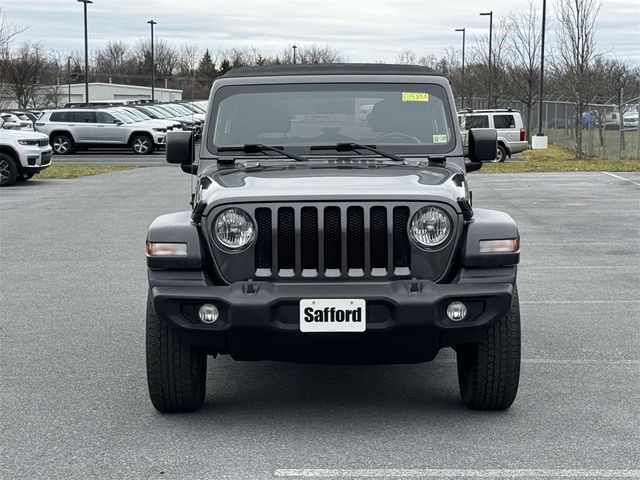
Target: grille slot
column 355, row 238
column 309, row 238
column 332, row 238
column 401, row 246
column 332, row 241
column 286, row 239
column 263, row 242
column 378, row 227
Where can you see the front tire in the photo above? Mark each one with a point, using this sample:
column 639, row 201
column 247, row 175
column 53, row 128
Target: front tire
column 142, row 145
column 8, row 170
column 176, row 371
column 489, row 370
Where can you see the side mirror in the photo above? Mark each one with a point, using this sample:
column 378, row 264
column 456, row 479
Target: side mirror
column 483, row 144
column 180, row 150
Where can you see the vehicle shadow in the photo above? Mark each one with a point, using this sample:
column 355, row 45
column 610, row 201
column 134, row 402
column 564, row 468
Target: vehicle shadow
column 313, row 392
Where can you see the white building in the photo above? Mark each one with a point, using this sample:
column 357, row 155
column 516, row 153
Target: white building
column 58, row 95
column 115, row 91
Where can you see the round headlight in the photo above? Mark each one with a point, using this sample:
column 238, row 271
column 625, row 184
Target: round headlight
column 234, row 228
column 430, row 226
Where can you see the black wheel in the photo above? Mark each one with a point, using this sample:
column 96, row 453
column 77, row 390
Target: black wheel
column 489, row 371
column 176, row 371
column 142, row 145
column 62, row 144
column 502, row 154
column 8, row 170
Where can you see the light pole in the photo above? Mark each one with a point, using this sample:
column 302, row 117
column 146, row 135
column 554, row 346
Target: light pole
column 463, row 30
column 544, row 15
column 69, row 76
column 153, row 64
column 295, row 47
column 490, row 14
column 86, row 53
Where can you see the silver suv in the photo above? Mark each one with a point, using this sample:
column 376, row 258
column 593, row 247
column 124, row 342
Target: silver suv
column 79, row 128
column 512, row 136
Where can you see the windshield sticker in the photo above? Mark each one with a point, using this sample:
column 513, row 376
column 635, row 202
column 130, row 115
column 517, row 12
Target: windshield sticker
column 440, row 138
column 415, row 97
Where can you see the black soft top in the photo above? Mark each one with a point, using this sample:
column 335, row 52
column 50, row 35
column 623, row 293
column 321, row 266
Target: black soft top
column 330, row 69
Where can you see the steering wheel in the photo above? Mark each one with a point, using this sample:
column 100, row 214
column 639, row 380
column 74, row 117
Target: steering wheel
column 400, row 135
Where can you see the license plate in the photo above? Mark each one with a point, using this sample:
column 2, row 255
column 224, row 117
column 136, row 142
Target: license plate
column 333, row 315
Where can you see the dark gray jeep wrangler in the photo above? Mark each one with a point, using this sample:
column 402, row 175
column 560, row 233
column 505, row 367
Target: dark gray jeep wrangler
column 332, row 223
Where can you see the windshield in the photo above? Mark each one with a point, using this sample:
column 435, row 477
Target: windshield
column 160, row 112
column 127, row 115
column 181, row 109
column 121, row 117
column 402, row 117
column 139, row 115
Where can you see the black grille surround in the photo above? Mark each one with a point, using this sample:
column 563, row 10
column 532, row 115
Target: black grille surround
column 332, row 241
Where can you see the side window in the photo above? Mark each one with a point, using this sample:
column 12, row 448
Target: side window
column 83, row 117
column 103, row 117
column 504, row 121
column 477, row 121
column 59, row 117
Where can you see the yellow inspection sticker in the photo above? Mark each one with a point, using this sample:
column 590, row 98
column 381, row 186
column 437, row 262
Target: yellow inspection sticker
column 440, row 138
column 415, row 97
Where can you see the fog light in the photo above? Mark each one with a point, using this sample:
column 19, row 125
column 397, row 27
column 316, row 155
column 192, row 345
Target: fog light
column 456, row 311
column 208, row 313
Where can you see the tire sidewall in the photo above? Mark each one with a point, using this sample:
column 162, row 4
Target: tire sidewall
column 502, row 155
column 62, row 139
column 141, row 138
column 9, row 164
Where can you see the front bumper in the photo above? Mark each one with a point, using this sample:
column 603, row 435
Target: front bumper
column 35, row 159
column 406, row 319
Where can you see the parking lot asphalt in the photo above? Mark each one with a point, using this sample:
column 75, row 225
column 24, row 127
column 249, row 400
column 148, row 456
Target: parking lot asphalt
column 111, row 156
column 73, row 398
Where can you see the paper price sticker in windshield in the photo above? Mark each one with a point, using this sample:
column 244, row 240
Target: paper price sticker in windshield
column 415, row 97
column 440, row 138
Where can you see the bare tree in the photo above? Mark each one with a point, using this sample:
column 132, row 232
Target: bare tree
column 312, row 53
column 24, row 70
column 524, row 46
column 188, row 59
column 407, row 57
column 575, row 59
column 114, row 58
column 497, row 77
column 8, row 30
column 166, row 57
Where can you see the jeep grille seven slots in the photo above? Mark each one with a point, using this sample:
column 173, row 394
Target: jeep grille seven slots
column 332, row 223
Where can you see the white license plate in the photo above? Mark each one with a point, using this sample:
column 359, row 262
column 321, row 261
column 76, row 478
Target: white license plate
column 333, row 315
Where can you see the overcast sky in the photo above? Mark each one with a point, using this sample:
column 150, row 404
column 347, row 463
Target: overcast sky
column 364, row 30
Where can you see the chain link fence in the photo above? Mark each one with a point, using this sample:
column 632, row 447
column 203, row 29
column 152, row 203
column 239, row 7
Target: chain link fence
column 608, row 131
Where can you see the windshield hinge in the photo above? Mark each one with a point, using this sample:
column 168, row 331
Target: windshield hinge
column 438, row 160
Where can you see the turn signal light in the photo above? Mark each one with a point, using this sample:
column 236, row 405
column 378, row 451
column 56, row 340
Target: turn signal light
column 166, row 249
column 510, row 245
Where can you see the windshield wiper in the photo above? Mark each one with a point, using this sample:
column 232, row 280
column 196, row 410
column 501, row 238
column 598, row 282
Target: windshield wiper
column 259, row 147
column 354, row 147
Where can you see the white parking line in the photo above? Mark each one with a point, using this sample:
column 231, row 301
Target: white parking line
column 562, row 361
column 571, row 302
column 621, row 178
column 577, row 267
column 455, row 473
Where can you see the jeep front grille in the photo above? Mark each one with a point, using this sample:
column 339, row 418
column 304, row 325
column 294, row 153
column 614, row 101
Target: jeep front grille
column 332, row 241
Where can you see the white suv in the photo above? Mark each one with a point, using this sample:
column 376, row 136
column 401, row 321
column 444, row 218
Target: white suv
column 23, row 153
column 75, row 128
column 512, row 137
